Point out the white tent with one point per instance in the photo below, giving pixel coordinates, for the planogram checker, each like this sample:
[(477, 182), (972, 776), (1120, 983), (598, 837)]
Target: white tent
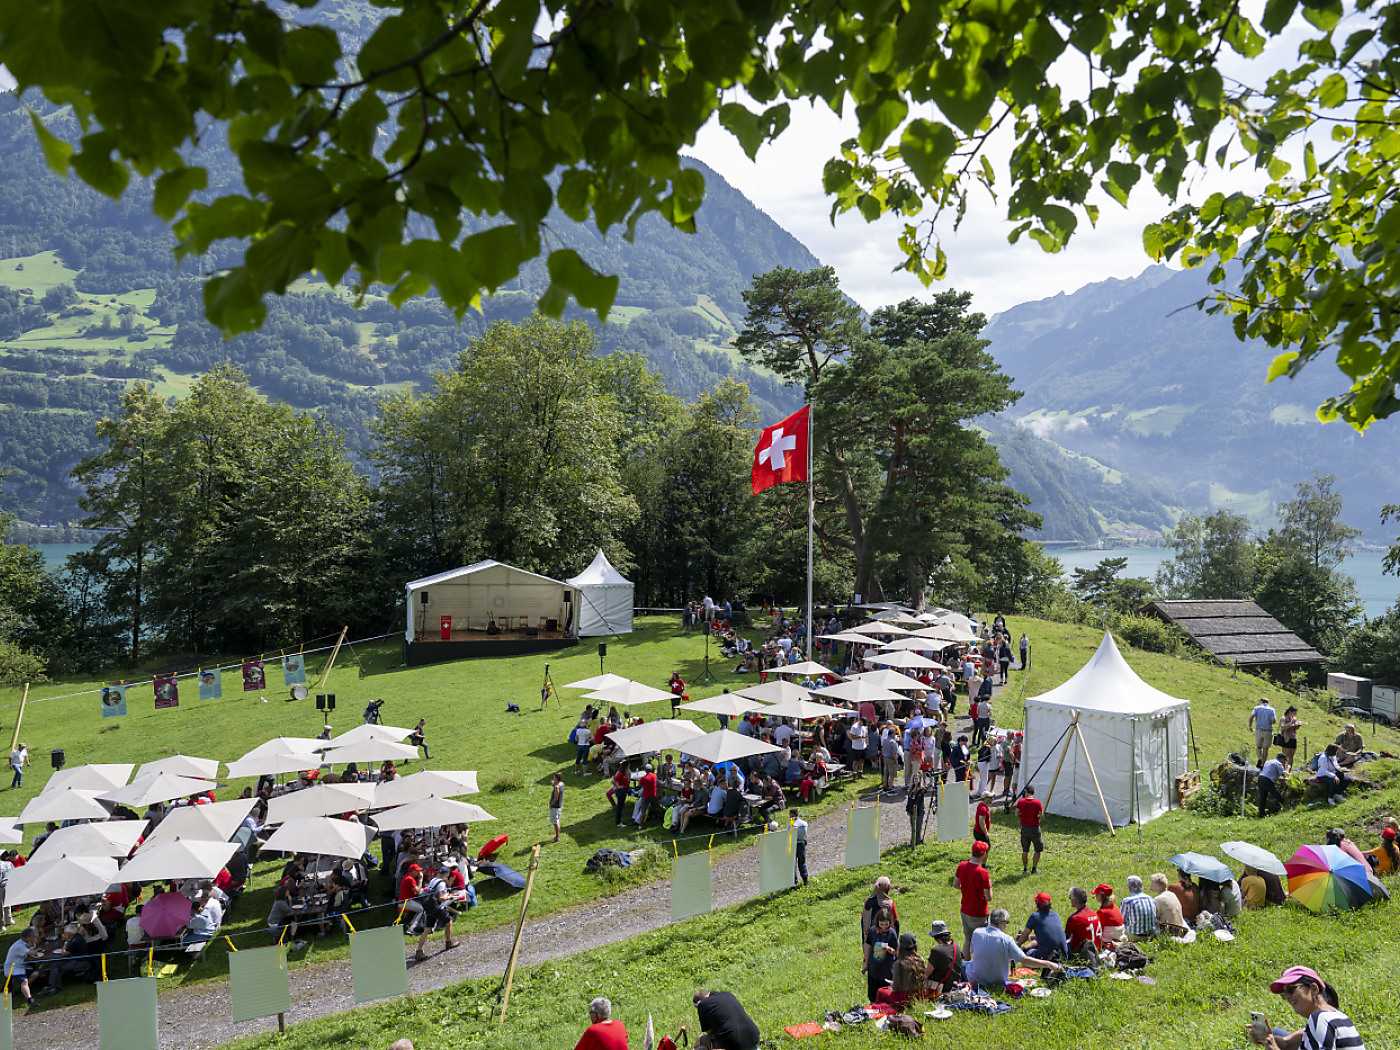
[(604, 599), (1136, 734), (476, 595)]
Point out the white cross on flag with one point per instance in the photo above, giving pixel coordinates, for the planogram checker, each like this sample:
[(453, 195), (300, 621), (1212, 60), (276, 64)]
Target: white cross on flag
[(782, 452)]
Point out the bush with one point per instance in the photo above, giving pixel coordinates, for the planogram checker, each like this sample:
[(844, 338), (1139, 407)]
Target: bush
[(1210, 801), (1150, 634), (507, 781)]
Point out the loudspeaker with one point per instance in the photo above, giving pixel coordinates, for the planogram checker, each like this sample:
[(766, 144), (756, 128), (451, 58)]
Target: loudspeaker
[(602, 649), (423, 597), (57, 758), (330, 701), (320, 701), (568, 597)]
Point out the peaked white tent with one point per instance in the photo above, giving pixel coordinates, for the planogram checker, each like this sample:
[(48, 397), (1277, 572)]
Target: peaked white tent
[(1136, 734), (476, 595), (604, 599)]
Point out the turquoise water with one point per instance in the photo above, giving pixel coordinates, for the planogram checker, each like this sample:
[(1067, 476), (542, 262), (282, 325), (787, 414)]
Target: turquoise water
[(1376, 589), (56, 553)]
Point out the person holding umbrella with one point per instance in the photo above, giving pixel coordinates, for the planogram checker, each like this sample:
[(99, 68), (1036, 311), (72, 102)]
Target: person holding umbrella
[(1313, 999)]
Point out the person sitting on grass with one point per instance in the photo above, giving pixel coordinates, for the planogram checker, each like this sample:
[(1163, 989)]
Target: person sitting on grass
[(1044, 933), (1169, 917), (993, 952), (1385, 858), (910, 975), (1261, 888), (724, 1023), (945, 960), (1139, 912), (602, 1033), (1313, 999), (1189, 894), (1114, 928), (1084, 931)]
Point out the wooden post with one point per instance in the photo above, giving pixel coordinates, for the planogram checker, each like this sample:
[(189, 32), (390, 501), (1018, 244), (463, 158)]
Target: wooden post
[(1107, 819), (331, 662), (519, 930), (1073, 728), (14, 740), (281, 1024)]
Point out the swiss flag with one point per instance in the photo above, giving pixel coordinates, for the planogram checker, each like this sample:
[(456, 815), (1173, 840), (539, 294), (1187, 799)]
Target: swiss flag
[(782, 452)]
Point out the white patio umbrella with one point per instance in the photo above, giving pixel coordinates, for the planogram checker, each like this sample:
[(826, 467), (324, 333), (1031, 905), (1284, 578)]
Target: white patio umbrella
[(63, 876), (876, 627), (806, 710), (957, 620), (11, 830), (859, 692), (806, 667), (629, 695), (656, 736), (732, 704), (104, 838), (599, 681), (370, 751), (179, 859), (775, 692), (95, 777), (325, 835), (320, 800), (915, 643), (430, 813), (896, 616), (849, 638), (946, 634), (430, 783), (155, 787), (284, 745), (366, 732), (887, 679), (182, 766), (64, 804), (275, 764), (904, 660), (215, 822), (725, 746)]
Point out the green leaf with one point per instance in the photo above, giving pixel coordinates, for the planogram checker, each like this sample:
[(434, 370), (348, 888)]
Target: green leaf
[(57, 153), (310, 54), (570, 275), (687, 194), (879, 120), (174, 188), (926, 147), (495, 255), (1281, 366), (1277, 14), (743, 124), (1333, 91), (95, 166)]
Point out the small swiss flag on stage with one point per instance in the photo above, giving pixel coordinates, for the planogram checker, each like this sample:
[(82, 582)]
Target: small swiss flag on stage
[(782, 452)]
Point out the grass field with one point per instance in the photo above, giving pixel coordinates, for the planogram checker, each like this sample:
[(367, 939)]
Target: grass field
[(469, 728)]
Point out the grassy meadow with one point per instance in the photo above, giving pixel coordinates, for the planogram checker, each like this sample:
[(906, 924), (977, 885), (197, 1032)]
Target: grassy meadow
[(769, 963)]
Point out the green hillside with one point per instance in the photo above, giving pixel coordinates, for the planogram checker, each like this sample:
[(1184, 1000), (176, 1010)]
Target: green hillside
[(90, 298)]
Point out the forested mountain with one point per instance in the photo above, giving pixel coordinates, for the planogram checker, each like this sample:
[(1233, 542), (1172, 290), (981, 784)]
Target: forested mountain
[(1129, 373), (90, 297)]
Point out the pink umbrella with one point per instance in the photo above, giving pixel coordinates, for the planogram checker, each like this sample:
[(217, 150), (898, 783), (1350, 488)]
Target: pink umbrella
[(164, 915)]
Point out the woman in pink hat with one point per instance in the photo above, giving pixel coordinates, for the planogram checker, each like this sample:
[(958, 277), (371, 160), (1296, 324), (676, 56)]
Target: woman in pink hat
[(1314, 1000)]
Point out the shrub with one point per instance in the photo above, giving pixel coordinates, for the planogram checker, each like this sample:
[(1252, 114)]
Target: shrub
[(1150, 634), (507, 781)]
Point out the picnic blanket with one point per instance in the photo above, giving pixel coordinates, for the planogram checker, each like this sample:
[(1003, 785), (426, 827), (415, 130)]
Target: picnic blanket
[(990, 1008)]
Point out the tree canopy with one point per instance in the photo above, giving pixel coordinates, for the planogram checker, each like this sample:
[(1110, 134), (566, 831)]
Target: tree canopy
[(360, 150)]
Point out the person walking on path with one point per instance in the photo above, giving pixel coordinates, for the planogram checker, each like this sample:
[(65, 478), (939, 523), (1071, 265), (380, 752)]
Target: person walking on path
[(556, 802), (1262, 720), (799, 840), (1030, 810), (418, 738)]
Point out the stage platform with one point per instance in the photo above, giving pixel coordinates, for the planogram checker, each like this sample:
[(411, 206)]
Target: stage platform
[(466, 645)]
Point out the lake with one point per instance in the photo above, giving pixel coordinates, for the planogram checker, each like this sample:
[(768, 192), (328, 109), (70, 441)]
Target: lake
[(1377, 590)]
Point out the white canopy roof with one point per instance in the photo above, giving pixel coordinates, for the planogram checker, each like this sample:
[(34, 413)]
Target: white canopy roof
[(1107, 685), (604, 599), (599, 573)]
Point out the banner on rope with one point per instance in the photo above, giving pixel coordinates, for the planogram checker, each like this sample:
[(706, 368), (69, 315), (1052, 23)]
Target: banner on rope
[(254, 676), (293, 670), (211, 684), (259, 983), (952, 812), (692, 886), (113, 701), (863, 836), (775, 861), (167, 691), (126, 1015), (378, 965)]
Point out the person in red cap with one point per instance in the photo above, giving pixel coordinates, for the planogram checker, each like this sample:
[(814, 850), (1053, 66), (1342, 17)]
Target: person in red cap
[(1315, 1000), (1044, 935), (976, 886), (1114, 930), (1084, 931), (1385, 858), (982, 824), (1030, 810), (410, 886)]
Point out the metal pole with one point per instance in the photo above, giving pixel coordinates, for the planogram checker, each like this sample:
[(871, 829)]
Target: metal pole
[(811, 517)]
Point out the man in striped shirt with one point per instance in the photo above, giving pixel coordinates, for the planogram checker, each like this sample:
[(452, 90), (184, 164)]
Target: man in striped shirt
[(1139, 912)]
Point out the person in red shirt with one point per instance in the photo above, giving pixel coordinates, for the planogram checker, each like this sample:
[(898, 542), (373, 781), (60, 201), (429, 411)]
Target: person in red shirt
[(982, 825), (410, 886), (602, 1032), (1030, 809), (976, 886), (1109, 916), (1083, 930), (651, 791)]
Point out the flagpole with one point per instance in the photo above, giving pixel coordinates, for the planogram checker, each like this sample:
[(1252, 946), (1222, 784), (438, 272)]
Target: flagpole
[(811, 515)]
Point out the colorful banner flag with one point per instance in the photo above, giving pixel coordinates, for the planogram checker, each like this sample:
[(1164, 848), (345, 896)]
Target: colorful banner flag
[(167, 692), (293, 670), (113, 701), (781, 454), (211, 684), (254, 676)]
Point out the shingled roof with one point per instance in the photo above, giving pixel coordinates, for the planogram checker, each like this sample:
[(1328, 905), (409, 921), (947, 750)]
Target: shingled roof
[(1237, 632)]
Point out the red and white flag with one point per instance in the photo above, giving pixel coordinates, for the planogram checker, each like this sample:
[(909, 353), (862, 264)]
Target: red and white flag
[(782, 452)]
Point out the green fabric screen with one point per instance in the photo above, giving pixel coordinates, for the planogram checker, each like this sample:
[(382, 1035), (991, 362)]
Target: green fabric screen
[(863, 837), (775, 863), (259, 982), (952, 813), (378, 964), (691, 886), (126, 1015)]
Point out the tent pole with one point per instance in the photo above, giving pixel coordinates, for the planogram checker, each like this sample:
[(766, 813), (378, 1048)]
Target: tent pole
[(1108, 819), (1132, 767), (1073, 725), (811, 519), (1191, 729)]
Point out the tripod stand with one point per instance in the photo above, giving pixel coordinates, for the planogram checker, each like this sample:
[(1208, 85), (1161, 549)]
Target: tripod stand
[(705, 675), (547, 690)]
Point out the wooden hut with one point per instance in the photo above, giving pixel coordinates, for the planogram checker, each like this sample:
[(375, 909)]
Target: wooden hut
[(1241, 634)]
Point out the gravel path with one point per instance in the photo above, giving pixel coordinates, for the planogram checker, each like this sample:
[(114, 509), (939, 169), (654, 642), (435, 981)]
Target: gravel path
[(198, 1017)]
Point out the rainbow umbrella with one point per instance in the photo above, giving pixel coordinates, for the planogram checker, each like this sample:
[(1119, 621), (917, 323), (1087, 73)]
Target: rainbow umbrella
[(1327, 877)]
